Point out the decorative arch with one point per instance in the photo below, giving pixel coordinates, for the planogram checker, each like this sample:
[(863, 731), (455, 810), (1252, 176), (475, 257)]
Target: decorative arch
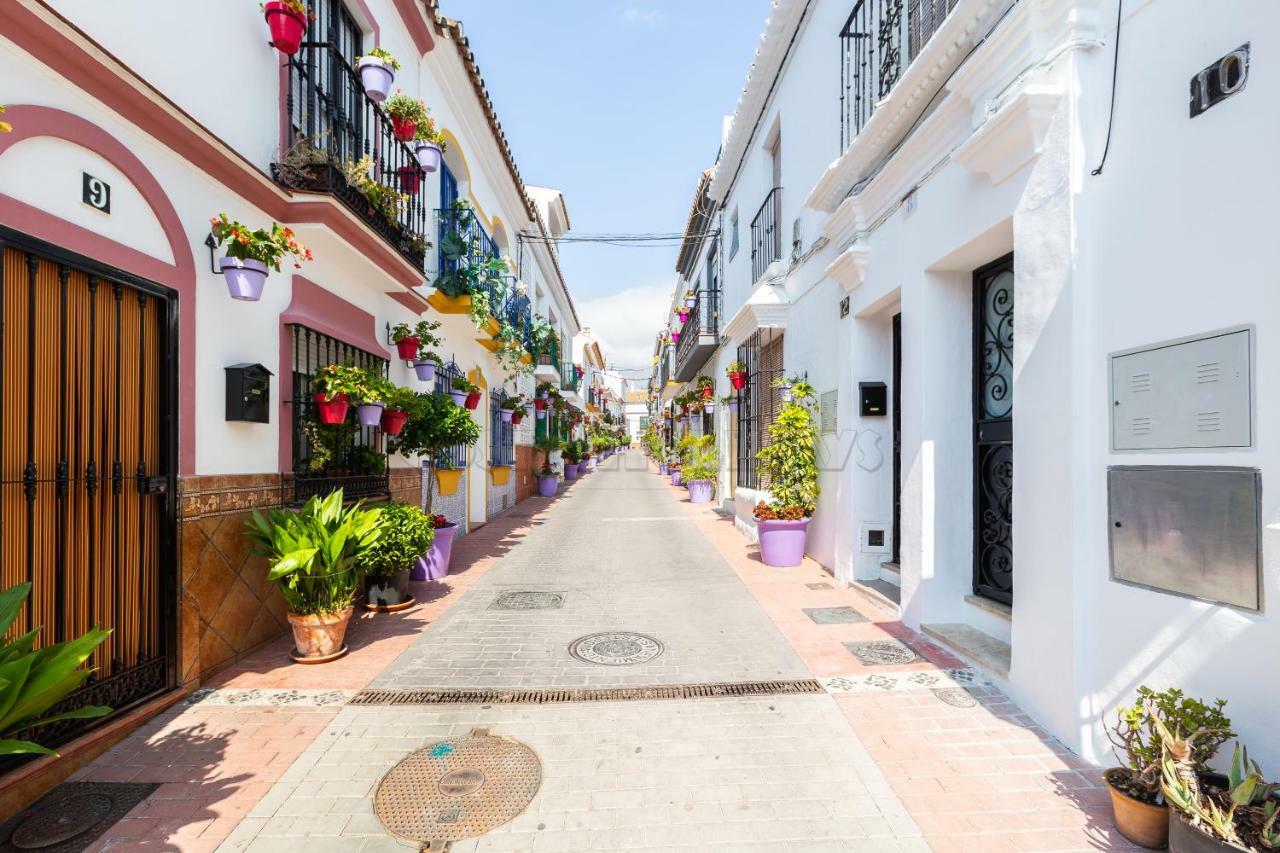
[(500, 236), (457, 163), (33, 122)]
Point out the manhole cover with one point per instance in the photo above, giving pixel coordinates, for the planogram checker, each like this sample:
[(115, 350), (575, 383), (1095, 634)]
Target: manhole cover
[(458, 788), (882, 652), (615, 648), (528, 600), (957, 697), (71, 816), (834, 615), (819, 585), (61, 821)]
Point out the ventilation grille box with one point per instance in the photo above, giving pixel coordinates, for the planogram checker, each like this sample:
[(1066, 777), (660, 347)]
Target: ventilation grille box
[(1184, 395)]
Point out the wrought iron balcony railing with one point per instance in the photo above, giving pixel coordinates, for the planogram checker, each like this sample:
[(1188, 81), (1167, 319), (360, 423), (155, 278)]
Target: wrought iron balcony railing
[(333, 126), (766, 237), (461, 240), (569, 377), (703, 319)]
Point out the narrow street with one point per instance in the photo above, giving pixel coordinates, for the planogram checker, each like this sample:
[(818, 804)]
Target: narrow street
[(913, 756)]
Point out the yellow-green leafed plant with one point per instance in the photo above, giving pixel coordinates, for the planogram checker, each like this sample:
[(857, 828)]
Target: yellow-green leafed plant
[(5, 127), (314, 552), (791, 459), (34, 680)]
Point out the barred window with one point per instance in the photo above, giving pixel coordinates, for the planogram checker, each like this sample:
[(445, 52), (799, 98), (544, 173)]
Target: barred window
[(455, 456), (501, 433), (759, 402)]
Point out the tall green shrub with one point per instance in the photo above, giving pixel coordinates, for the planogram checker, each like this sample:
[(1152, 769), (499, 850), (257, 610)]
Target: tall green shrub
[(406, 535), (791, 461), (435, 424)]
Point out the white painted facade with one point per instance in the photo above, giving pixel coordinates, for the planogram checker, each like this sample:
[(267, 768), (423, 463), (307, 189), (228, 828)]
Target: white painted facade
[(985, 147)]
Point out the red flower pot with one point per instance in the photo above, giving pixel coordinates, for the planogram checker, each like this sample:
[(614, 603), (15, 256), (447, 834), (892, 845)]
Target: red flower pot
[(332, 412), (402, 129), (738, 380), (408, 348), (516, 418), (287, 27), (410, 178), (393, 422), (540, 405), (473, 400), (708, 392)]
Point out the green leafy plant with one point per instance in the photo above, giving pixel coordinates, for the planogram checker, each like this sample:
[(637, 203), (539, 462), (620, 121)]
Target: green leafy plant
[(1136, 738), (548, 444), (705, 382), (385, 199), (384, 55), (735, 367), (33, 681), (423, 330), (436, 425), (463, 384), (314, 552), (371, 387), (401, 399), (404, 108), (269, 247), (790, 460), (701, 458), (572, 451), (407, 534), (513, 403), (1244, 813), (338, 380)]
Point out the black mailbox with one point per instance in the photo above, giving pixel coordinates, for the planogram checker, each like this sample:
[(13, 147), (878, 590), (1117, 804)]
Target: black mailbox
[(873, 399), (249, 393)]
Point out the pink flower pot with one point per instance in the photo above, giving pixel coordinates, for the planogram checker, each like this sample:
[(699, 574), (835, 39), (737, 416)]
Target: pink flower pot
[(547, 486), (782, 542), (700, 492), (434, 564)]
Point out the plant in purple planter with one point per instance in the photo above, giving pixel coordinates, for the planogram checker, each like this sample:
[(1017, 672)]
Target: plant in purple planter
[(377, 72), (250, 252), (790, 462), (434, 564), (547, 483)]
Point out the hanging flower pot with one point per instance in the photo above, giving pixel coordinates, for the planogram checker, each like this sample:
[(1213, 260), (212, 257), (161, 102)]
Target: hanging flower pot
[(542, 414), (369, 414), (787, 395), (733, 404), (410, 179), (738, 379), (472, 400), (245, 278), (426, 369), (428, 154), (675, 337), (709, 408), (287, 26), (506, 415), (403, 129), (332, 412), (459, 397), (517, 417), (684, 316), (407, 348), (708, 392), (540, 404), (393, 421), (376, 76)]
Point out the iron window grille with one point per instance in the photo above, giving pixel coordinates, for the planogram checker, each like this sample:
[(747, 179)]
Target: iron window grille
[(456, 456), (333, 124), (464, 222), (766, 239), (733, 235), (347, 455), (758, 402), (501, 433)]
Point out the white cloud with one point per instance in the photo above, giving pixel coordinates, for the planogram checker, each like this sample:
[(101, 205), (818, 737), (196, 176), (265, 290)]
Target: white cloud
[(641, 17), (626, 322)]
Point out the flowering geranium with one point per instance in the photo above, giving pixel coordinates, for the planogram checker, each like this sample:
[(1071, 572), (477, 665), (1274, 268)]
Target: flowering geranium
[(258, 244), (438, 521)]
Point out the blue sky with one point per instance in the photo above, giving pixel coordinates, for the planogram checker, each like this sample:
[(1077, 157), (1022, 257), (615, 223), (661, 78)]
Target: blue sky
[(619, 105)]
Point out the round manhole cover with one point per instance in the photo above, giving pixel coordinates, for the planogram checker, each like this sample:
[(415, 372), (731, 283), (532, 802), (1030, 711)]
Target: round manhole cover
[(615, 648), (885, 652), (458, 788), (957, 697), (61, 821)]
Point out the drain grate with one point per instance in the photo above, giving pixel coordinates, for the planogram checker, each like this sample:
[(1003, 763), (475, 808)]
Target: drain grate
[(520, 696), (528, 600), (72, 816)]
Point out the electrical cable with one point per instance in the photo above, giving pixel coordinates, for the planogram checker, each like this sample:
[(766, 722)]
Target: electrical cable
[(1115, 70)]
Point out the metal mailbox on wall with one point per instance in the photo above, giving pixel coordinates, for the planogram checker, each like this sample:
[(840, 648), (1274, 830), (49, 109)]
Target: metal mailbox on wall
[(1187, 394)]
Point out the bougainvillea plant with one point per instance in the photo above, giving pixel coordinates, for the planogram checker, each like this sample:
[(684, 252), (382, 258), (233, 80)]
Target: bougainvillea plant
[(258, 244)]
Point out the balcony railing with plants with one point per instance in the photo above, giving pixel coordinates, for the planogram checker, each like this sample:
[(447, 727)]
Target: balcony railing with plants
[(766, 237), (873, 57), (569, 378), (342, 142), (703, 318)]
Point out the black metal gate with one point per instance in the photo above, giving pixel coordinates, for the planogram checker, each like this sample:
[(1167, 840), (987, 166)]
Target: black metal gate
[(993, 431), (758, 402), (88, 467), (897, 439)]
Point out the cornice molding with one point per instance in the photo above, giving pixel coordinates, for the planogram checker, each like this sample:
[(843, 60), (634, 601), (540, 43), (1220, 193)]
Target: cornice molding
[(766, 308), (850, 267), (1013, 136)]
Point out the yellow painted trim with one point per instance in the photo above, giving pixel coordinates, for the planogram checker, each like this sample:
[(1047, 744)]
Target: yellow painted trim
[(455, 146), (489, 343), (447, 481), (450, 304), (501, 474)]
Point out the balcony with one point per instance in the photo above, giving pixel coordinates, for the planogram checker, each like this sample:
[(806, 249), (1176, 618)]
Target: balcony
[(569, 381), (766, 237), (872, 54), (546, 366), (699, 336), (332, 128)]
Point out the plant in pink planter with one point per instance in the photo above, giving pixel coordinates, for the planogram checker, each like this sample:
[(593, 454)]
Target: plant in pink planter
[(791, 464), (250, 252)]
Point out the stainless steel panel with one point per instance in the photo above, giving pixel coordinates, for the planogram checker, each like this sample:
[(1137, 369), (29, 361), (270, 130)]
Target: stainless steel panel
[(1192, 531)]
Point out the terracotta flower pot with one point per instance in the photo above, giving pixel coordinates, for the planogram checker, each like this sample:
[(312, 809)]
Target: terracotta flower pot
[(1142, 823), (318, 636)]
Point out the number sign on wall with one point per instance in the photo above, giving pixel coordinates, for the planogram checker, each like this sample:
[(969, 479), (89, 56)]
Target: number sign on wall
[(97, 193), (1220, 80)]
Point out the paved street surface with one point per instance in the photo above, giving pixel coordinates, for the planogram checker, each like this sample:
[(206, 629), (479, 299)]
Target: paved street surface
[(916, 753)]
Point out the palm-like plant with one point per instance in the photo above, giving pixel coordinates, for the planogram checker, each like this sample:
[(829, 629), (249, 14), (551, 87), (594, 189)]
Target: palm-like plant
[(34, 680), (548, 444)]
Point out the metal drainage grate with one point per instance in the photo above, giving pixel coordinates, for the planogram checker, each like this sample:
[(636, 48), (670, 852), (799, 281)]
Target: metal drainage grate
[(519, 696), (458, 788), (957, 697), (528, 600)]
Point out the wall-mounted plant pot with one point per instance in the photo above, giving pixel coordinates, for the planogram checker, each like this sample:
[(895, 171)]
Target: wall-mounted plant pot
[(675, 337), (318, 637), (700, 491), (709, 408), (426, 370), (684, 316), (447, 479), (501, 474), (376, 76), (459, 397), (287, 27), (473, 400), (332, 412), (402, 129), (245, 278), (434, 564), (506, 415), (675, 477), (540, 404), (393, 422), (547, 485), (541, 414), (516, 418), (782, 541), (407, 348), (690, 301), (1145, 824), (369, 414), (663, 469), (738, 380), (708, 392), (428, 154)]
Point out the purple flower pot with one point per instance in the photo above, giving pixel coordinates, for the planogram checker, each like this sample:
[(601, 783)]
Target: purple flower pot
[(376, 77), (426, 370), (434, 564), (547, 486), (459, 397), (245, 278), (782, 542), (663, 469), (505, 414), (675, 477), (370, 414), (733, 404), (428, 155), (571, 471), (700, 492), (541, 413)]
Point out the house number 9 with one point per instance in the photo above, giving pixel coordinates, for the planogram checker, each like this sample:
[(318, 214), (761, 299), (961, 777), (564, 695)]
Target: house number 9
[(96, 193)]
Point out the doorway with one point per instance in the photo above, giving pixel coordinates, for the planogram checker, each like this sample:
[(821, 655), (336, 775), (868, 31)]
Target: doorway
[(896, 405), (993, 431)]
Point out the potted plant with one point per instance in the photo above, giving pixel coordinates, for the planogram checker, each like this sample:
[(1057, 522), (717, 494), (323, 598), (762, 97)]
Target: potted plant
[(406, 114), (250, 251), (377, 72), (701, 468), (410, 340), (287, 20), (683, 314), (548, 444), (787, 385), (435, 425), (333, 387), (675, 336), (425, 366), (690, 298), (314, 558), (673, 468), (730, 400), (737, 375), (383, 200), (459, 390), (790, 463), (707, 387), (429, 144), (386, 564), (436, 563), (572, 455), (370, 398), (400, 404), (507, 408), (1141, 814)]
